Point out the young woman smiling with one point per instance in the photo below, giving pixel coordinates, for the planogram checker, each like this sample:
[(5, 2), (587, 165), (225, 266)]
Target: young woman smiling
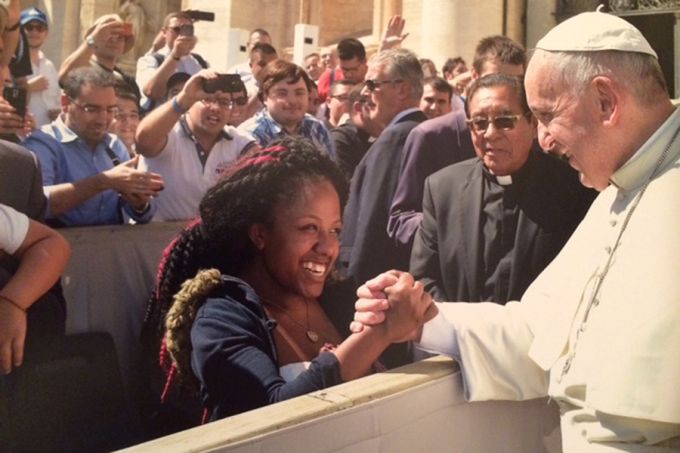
[(251, 330)]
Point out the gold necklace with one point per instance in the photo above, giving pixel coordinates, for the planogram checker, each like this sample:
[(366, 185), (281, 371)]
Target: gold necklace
[(311, 335)]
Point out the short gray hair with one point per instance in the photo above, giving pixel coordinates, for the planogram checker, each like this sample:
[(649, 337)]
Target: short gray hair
[(640, 72), (401, 64), (86, 75)]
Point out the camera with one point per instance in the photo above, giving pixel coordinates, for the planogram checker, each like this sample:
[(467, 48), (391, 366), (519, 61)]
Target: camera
[(17, 97), (186, 30), (200, 15), (227, 83)]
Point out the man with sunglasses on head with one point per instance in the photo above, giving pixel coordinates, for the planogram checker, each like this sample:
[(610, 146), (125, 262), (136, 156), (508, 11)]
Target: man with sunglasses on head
[(154, 70), (491, 224), (88, 176), (189, 142)]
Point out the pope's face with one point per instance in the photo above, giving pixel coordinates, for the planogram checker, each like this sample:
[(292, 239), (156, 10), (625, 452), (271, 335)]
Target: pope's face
[(568, 124)]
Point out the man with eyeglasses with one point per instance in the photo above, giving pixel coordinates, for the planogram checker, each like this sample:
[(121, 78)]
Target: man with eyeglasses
[(493, 223), (154, 70), (88, 176), (43, 85), (338, 103), (445, 140), (189, 142)]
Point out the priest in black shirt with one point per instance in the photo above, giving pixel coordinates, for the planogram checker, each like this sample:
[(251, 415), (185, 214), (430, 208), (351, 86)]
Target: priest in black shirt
[(493, 223)]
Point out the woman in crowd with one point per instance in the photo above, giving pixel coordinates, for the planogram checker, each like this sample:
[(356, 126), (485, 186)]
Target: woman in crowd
[(254, 329)]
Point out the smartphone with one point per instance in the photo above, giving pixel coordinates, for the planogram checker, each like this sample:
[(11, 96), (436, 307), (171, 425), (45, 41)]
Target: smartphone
[(186, 30), (200, 15), (127, 29), (227, 83), (17, 98)]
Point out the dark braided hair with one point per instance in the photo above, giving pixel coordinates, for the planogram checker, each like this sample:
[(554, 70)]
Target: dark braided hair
[(246, 194)]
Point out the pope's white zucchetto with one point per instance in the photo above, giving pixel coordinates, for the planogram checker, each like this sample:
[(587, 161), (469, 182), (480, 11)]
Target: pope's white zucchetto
[(595, 31)]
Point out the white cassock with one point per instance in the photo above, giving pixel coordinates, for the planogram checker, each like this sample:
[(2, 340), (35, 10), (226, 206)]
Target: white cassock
[(599, 329)]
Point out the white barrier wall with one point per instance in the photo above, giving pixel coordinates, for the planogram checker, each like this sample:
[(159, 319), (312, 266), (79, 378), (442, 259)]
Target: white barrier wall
[(416, 408)]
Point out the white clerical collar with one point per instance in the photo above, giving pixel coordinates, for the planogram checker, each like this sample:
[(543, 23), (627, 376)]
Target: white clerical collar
[(639, 167), (504, 180)]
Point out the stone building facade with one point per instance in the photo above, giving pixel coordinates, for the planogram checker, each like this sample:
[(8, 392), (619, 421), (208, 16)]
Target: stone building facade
[(437, 29)]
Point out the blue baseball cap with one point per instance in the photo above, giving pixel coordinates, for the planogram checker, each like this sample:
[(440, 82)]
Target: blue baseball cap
[(31, 14)]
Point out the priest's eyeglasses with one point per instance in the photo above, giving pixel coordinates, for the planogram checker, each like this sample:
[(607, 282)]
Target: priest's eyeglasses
[(479, 124)]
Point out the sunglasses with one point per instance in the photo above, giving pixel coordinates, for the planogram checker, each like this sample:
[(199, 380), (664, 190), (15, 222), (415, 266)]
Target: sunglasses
[(188, 29), (373, 85), (35, 27), (480, 124)]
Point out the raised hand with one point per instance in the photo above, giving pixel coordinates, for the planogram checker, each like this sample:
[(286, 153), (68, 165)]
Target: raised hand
[(183, 46), (107, 30), (394, 33)]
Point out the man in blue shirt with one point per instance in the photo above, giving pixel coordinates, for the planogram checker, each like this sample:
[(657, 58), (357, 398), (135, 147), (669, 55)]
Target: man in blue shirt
[(88, 176), (285, 94)]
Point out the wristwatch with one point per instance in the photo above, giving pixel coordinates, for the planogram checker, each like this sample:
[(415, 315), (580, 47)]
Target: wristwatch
[(90, 41)]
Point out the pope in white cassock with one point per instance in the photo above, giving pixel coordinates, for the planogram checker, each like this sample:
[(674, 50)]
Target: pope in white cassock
[(599, 330)]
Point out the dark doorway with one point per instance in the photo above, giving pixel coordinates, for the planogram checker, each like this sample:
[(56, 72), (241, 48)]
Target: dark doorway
[(658, 29)]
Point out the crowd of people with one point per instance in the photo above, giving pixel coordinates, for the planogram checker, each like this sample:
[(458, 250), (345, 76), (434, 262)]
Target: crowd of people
[(530, 192)]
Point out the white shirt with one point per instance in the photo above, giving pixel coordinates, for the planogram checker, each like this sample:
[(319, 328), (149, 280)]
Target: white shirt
[(186, 180), (147, 66), (41, 102), (13, 229), (620, 390), (243, 69)]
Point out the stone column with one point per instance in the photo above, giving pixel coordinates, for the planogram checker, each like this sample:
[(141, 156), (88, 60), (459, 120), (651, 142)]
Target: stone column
[(676, 55), (65, 31), (515, 17), (540, 19), (451, 28)]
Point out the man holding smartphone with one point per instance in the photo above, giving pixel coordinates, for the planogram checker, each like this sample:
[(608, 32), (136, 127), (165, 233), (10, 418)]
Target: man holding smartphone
[(187, 140), (105, 43), (154, 70), (88, 176)]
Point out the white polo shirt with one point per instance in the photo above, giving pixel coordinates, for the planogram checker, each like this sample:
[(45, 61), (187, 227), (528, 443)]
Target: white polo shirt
[(186, 178)]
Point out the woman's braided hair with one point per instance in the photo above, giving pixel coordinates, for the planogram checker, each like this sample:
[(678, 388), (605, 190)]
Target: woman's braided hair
[(246, 194)]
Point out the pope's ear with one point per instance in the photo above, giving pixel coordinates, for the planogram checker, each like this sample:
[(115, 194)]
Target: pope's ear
[(608, 99)]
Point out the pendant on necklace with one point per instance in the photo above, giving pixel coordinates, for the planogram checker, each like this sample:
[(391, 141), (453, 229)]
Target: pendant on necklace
[(313, 336)]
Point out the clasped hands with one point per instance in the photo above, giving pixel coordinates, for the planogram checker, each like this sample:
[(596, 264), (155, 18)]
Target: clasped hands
[(396, 301)]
